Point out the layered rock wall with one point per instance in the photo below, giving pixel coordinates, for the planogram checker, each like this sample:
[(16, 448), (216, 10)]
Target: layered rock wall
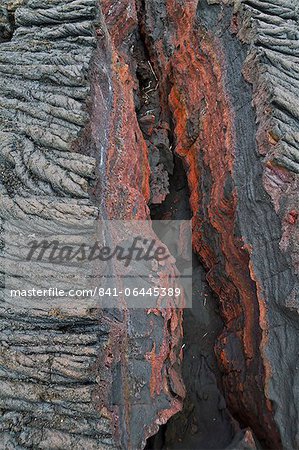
[(230, 77), (71, 149)]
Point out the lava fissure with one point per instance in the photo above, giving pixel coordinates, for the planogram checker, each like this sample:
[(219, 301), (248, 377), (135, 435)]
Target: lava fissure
[(208, 424), (205, 421), (129, 110), (200, 129)]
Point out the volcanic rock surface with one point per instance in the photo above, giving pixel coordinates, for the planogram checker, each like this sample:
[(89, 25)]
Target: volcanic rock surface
[(96, 99), (71, 149)]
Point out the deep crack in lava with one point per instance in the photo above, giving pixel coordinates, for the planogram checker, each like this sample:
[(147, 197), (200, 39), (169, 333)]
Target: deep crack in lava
[(181, 125), (204, 422)]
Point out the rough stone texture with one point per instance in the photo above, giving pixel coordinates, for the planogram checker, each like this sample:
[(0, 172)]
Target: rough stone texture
[(93, 100), (239, 145), (71, 149), (205, 421)]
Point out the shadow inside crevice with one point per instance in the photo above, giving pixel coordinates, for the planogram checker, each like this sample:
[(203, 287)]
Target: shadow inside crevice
[(204, 422)]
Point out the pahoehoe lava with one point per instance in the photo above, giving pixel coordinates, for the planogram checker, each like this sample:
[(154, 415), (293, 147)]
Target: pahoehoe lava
[(144, 110)]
